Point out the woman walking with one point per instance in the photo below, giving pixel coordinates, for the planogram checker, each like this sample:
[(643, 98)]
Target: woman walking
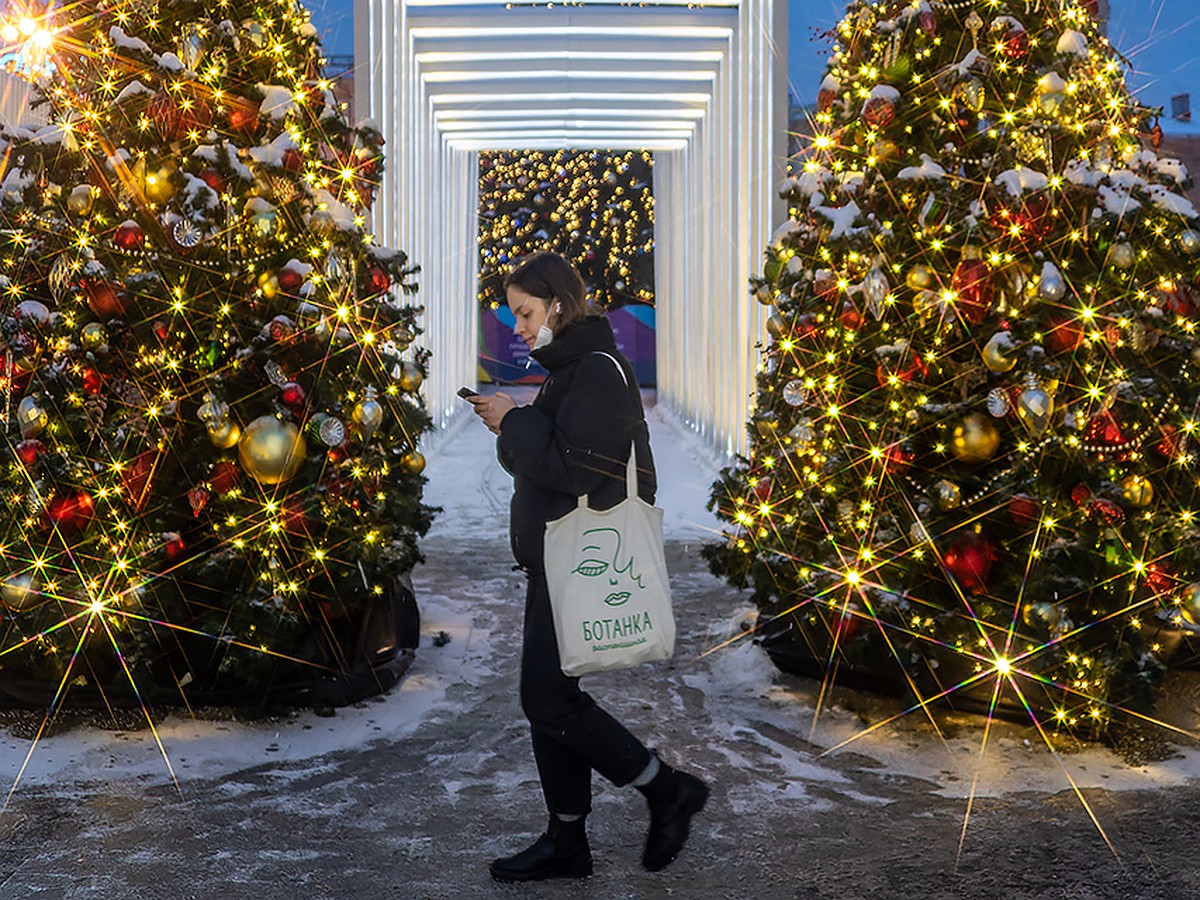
[(574, 439)]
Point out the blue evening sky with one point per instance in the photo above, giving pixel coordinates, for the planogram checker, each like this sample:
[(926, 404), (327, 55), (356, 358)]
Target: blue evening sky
[(1160, 37)]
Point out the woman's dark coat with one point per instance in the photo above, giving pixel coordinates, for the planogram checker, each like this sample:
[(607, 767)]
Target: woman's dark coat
[(574, 438)]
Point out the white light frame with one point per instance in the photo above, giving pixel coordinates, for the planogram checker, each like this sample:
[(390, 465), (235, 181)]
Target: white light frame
[(704, 87)]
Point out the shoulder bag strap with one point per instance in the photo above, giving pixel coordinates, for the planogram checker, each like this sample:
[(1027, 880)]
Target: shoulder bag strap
[(631, 484)]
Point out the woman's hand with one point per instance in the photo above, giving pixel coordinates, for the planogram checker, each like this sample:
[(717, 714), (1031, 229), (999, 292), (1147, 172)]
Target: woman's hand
[(492, 409)]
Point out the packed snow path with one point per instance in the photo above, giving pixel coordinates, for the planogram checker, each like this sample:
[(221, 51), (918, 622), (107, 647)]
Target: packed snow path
[(413, 793)]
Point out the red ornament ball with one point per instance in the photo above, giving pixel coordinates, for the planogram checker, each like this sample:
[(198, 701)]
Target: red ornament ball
[(289, 279), (176, 116), (224, 477), (825, 99), (1016, 43), (879, 112), (1103, 431), (1064, 334), (380, 280), (71, 512), (281, 328), (898, 459), (30, 451), (851, 318), (1080, 494), (136, 477), (972, 283), (969, 561), (762, 488), (1168, 445), (1159, 578), (293, 160), (1182, 301), (242, 115), (173, 546), (129, 236), (1105, 511), (295, 518), (104, 298), (214, 180), (1023, 509), (293, 396), (93, 381)]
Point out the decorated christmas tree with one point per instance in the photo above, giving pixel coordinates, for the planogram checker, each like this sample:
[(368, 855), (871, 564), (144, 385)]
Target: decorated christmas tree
[(210, 389), (971, 471), (593, 207)]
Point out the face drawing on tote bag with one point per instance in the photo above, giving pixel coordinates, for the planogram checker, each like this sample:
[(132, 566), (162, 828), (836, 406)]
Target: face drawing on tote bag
[(601, 558)]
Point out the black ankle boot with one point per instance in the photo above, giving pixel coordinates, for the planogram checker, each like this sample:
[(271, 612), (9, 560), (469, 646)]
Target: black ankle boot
[(562, 852), (674, 797)]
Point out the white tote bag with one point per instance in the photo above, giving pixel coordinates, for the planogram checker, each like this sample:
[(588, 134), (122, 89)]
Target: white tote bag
[(607, 574)]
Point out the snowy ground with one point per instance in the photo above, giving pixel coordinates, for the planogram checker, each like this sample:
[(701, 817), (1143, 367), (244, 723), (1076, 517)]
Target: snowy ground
[(412, 793)]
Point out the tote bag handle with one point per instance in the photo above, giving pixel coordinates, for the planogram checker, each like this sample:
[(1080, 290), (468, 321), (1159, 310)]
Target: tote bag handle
[(631, 485)]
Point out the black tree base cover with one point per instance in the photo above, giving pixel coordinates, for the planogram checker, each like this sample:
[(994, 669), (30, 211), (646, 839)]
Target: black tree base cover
[(809, 642), (345, 661)]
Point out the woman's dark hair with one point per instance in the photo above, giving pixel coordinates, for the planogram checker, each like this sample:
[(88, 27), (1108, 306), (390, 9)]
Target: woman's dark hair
[(551, 278)]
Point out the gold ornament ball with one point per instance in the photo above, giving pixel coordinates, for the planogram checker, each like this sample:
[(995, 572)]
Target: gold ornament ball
[(268, 285), (271, 451), (224, 434), (413, 462), (21, 591), (766, 426), (159, 186), (885, 149), (1122, 255), (947, 495), (975, 439), (93, 336), (1190, 602), (919, 278), (997, 353), (411, 378), (80, 200), (926, 304), (1138, 490)]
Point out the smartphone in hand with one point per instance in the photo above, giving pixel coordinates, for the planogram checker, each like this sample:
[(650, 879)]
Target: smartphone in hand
[(466, 393)]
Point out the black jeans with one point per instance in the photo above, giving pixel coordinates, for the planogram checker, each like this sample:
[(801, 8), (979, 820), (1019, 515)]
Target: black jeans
[(571, 734)]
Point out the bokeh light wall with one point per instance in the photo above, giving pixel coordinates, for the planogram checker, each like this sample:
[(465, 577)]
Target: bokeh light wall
[(702, 87)]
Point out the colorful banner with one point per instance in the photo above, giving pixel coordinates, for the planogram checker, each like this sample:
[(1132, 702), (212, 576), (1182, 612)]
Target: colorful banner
[(504, 357)]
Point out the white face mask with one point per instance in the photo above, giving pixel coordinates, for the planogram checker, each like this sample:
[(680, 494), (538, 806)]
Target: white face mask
[(545, 335)]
